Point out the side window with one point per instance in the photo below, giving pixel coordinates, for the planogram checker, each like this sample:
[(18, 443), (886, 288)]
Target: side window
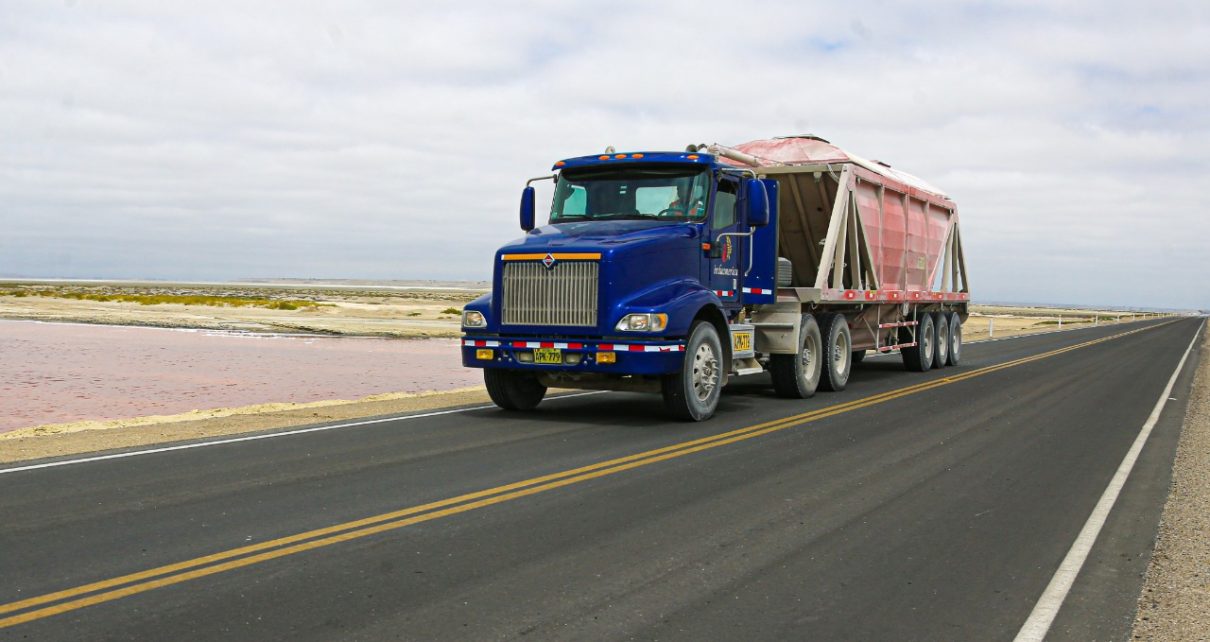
[(724, 204)]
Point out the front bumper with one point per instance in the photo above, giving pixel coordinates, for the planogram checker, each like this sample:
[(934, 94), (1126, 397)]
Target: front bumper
[(648, 357)]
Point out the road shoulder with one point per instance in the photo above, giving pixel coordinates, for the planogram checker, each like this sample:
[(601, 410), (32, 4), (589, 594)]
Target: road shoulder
[(1175, 599)]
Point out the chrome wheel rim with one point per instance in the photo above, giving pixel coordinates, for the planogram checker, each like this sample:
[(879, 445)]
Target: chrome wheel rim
[(841, 353), (807, 357), (705, 372)]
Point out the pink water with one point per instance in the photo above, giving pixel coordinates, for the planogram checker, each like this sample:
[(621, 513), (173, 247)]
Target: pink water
[(59, 372)]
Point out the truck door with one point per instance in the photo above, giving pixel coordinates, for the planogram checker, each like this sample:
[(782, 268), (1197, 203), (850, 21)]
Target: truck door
[(728, 255)]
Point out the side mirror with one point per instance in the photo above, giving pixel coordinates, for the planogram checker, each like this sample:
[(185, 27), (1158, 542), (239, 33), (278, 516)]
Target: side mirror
[(758, 203), (527, 208)]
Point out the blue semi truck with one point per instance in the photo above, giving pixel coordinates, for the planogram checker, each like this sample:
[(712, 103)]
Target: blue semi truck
[(671, 272)]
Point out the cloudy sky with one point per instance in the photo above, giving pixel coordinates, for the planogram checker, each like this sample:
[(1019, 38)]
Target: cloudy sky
[(230, 140)]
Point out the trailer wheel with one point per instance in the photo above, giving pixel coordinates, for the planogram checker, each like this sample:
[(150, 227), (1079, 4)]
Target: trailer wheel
[(955, 351), (692, 394), (837, 352), (858, 356), (919, 357), (513, 390), (941, 347), (796, 376)]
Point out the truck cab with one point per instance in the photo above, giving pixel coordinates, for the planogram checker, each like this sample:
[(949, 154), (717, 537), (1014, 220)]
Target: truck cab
[(638, 281)]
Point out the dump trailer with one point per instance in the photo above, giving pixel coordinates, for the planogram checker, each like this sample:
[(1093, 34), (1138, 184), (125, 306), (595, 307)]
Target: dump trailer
[(672, 272)]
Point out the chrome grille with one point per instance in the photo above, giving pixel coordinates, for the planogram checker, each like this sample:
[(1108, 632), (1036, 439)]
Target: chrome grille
[(565, 294)]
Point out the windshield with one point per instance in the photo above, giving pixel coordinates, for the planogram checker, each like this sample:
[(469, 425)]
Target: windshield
[(657, 193)]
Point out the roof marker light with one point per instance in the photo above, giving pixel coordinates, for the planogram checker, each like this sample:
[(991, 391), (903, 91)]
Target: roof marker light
[(560, 163), (636, 155), (603, 157), (692, 157), (620, 156)]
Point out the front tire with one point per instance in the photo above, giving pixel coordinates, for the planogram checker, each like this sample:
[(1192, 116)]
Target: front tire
[(919, 357), (796, 376), (837, 353), (513, 390), (693, 393)]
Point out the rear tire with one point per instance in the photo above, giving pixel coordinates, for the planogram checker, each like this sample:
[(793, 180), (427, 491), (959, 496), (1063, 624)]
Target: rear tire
[(858, 356), (919, 357), (796, 376), (941, 346), (512, 389), (837, 352), (955, 351), (692, 394)]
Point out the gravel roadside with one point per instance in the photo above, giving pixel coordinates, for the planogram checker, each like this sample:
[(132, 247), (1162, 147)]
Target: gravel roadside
[(1175, 601)]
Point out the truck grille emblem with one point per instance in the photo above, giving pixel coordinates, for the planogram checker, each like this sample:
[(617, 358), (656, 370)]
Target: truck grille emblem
[(549, 261)]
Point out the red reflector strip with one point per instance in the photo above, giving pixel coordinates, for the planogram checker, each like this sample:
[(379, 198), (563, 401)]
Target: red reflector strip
[(758, 290), (725, 293), (477, 343)]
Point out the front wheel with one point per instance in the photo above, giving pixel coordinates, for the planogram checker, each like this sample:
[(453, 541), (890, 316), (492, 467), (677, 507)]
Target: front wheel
[(692, 394), (513, 390)]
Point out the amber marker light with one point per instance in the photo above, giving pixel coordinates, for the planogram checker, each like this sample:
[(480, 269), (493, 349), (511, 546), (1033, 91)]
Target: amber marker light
[(603, 157), (607, 357), (636, 155), (692, 157), (485, 354), (560, 164), (620, 156)]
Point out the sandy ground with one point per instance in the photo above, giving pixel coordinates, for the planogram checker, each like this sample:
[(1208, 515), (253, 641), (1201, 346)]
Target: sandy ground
[(1175, 602), (368, 312)]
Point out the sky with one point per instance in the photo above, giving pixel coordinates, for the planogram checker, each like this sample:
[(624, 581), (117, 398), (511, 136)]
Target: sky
[(390, 140)]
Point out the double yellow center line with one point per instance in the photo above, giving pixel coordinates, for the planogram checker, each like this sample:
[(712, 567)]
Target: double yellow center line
[(59, 602)]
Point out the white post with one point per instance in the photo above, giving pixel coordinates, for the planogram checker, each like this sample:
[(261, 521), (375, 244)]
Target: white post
[(991, 327), (1060, 322)]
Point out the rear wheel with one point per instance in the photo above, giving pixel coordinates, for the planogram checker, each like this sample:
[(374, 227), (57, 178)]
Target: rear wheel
[(858, 356), (796, 376), (941, 348), (955, 351), (919, 357), (837, 352), (692, 394), (513, 390)]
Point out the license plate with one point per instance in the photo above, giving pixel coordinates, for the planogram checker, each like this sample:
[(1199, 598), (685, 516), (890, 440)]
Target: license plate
[(548, 355), (743, 341)]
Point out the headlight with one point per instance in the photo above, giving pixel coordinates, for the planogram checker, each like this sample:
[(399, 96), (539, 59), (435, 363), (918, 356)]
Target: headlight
[(650, 322), (473, 319)]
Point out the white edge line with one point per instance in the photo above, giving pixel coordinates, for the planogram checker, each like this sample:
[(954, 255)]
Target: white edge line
[(1048, 605), (272, 435)]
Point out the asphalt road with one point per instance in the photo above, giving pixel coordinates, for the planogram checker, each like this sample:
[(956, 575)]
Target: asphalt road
[(927, 506)]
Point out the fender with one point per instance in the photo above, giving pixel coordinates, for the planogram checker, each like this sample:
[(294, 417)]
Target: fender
[(681, 299)]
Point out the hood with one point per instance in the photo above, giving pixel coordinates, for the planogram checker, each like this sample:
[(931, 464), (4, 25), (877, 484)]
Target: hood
[(603, 235)]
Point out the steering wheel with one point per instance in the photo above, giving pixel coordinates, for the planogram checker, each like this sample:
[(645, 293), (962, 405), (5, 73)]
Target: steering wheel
[(671, 211)]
